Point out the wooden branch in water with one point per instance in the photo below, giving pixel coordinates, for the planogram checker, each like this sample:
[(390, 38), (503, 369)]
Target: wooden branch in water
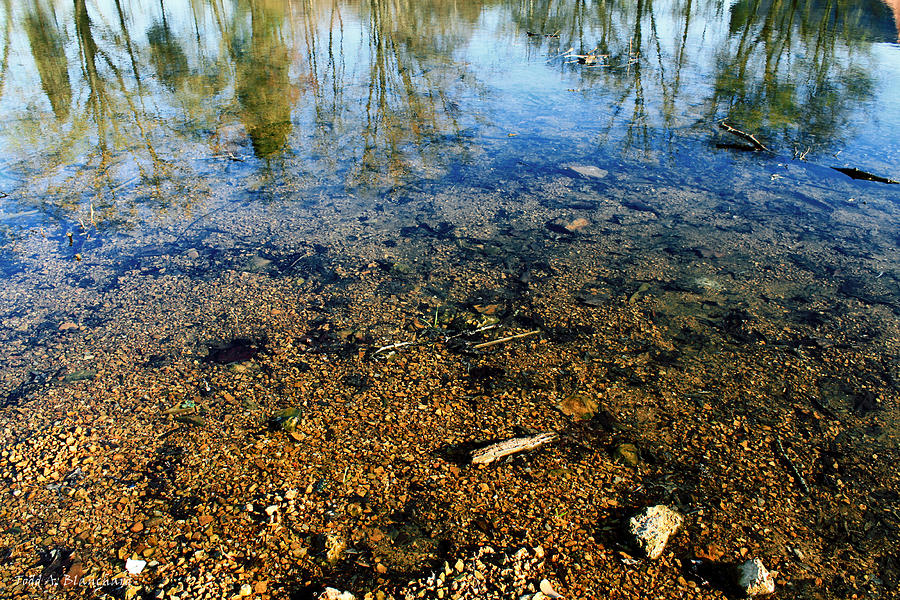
[(489, 454), (794, 470), (391, 347), (745, 136), (505, 339), (857, 174)]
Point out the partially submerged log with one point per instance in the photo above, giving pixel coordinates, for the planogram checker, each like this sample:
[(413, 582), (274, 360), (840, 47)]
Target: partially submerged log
[(489, 454)]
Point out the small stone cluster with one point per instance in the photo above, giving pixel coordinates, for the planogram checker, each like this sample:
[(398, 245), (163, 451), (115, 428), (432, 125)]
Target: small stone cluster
[(486, 575)]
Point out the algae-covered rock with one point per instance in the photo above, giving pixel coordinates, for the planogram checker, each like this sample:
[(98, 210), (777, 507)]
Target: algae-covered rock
[(285, 420), (578, 405)]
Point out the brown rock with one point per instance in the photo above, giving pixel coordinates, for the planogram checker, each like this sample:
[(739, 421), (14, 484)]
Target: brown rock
[(578, 405), (627, 454), (577, 224)]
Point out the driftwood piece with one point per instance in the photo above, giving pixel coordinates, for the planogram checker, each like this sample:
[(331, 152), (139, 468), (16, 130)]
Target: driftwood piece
[(489, 454), (745, 136)]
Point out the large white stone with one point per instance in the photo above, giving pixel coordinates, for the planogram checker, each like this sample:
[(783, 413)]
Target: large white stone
[(652, 527), (755, 580), (135, 566), (331, 593)]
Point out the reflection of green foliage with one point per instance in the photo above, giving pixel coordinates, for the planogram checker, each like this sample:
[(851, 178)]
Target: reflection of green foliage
[(168, 58), (409, 105), (262, 80), (791, 70), (49, 54)]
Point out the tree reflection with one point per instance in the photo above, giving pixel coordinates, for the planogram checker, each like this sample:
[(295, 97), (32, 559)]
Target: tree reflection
[(790, 69), (410, 114), (378, 92), (894, 5), (48, 49), (169, 59), (793, 71), (262, 66)]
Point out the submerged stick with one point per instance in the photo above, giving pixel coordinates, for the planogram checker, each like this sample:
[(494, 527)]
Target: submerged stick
[(489, 454), (745, 136), (392, 347), (794, 470), (505, 339)]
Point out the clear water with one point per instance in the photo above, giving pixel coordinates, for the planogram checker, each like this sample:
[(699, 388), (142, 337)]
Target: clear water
[(310, 176), (133, 133), (121, 105)]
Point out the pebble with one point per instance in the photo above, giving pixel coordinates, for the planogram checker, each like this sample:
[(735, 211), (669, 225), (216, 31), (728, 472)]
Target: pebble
[(578, 405), (331, 593), (335, 546), (627, 454), (135, 566)]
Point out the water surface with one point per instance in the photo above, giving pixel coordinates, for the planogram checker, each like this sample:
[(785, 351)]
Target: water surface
[(647, 191)]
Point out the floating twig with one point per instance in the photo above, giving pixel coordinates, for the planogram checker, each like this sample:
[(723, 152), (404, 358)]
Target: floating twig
[(229, 156), (746, 136), (794, 470), (489, 454), (505, 339), (567, 54), (801, 154)]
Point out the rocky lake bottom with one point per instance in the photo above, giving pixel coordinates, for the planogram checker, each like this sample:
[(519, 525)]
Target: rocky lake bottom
[(271, 400)]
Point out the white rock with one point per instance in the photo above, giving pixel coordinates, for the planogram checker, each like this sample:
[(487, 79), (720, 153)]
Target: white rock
[(134, 566), (589, 171), (652, 527), (246, 590), (755, 580), (548, 591), (271, 510), (335, 594)]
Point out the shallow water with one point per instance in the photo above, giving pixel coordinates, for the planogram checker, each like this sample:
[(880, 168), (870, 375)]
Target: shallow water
[(132, 132), (187, 185), (123, 107)]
